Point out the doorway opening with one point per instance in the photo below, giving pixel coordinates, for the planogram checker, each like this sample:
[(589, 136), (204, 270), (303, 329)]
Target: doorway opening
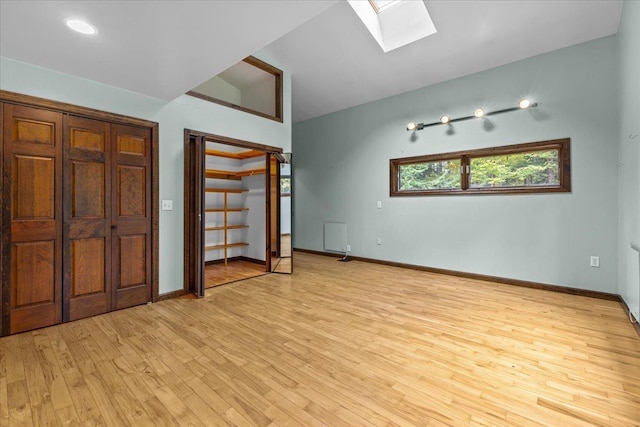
[(232, 211)]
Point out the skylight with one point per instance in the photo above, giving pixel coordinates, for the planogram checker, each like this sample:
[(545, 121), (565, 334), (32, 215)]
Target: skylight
[(403, 21), (380, 5)]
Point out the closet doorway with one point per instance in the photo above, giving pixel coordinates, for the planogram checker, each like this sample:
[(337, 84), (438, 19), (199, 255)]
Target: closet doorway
[(232, 211)]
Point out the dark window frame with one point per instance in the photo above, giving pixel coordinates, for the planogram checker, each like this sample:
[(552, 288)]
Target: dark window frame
[(563, 146), (276, 72)]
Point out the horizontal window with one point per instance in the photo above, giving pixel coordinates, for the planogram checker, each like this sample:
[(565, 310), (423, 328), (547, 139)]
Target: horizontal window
[(536, 167)]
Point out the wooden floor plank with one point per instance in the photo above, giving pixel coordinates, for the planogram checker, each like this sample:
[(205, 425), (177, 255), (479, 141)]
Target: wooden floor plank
[(20, 412), (334, 344), (4, 403), (221, 274)]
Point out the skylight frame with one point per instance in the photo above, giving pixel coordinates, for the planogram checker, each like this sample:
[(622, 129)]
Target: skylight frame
[(382, 8), (406, 22)]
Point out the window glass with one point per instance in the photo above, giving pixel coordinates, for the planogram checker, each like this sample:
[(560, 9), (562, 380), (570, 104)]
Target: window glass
[(444, 174), (285, 185), (539, 168)]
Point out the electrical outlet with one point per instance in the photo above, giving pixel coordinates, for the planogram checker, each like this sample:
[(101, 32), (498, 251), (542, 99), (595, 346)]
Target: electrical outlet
[(348, 248), (167, 205), (595, 261), (379, 204), (379, 240)]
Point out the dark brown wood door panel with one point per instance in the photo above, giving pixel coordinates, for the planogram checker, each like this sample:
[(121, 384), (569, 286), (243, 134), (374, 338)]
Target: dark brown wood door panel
[(33, 180), (131, 191), (131, 216), (132, 248), (32, 211), (87, 218), (88, 192), (32, 263)]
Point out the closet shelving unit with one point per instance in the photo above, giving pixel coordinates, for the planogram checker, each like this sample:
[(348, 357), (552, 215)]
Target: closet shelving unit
[(226, 209)]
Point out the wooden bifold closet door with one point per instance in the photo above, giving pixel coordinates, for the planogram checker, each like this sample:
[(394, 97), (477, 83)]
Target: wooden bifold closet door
[(76, 217), (87, 218), (131, 211), (32, 218), (107, 233)]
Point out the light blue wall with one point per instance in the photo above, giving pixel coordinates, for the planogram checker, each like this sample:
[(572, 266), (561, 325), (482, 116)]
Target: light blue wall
[(173, 117), (341, 165), (629, 155)]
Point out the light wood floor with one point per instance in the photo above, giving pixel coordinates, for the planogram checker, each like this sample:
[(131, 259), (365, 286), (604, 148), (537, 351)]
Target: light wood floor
[(220, 274), (335, 344)]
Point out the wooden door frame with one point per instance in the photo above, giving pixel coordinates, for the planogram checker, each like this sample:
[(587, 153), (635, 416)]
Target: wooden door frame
[(4, 227), (90, 113), (191, 220), (193, 211)]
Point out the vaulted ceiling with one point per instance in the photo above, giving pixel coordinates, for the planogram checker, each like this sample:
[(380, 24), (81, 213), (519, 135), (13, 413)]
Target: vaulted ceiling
[(337, 64), (165, 48), (157, 48)]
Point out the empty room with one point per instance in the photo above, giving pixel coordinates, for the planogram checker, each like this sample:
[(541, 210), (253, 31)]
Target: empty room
[(320, 213)]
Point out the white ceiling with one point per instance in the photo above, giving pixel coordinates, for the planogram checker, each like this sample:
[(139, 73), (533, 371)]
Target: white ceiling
[(336, 63), (165, 48), (157, 48)]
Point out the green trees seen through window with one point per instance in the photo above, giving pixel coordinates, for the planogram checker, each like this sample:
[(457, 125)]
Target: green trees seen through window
[(429, 176), (521, 169), (285, 185)]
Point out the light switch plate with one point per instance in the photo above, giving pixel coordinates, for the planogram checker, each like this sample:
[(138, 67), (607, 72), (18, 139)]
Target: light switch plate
[(167, 205)]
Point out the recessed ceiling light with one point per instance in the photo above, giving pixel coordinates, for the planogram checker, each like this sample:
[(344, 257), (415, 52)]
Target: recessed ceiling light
[(81, 26), (479, 112)]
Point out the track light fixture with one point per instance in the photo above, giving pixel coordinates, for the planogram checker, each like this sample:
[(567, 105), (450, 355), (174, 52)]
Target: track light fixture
[(478, 113)]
